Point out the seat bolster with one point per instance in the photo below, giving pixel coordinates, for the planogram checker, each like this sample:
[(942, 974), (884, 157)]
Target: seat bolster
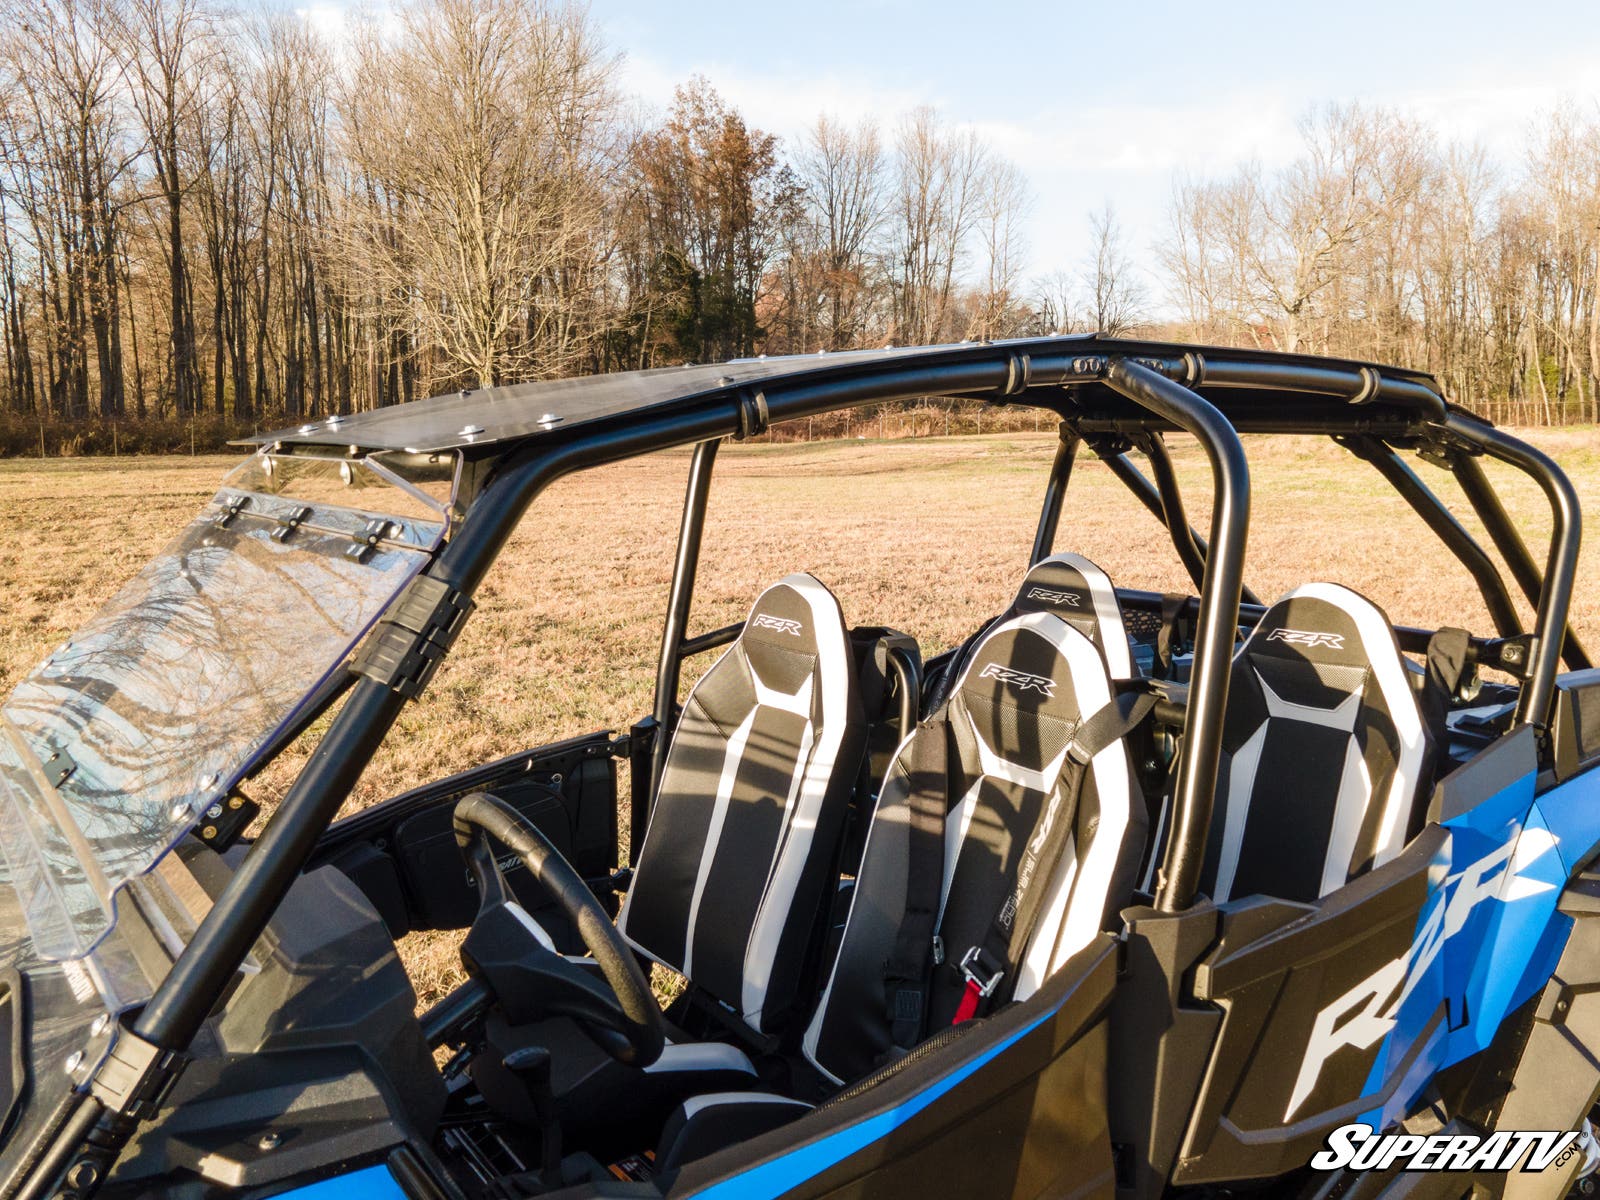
[(702, 1125), (701, 1057)]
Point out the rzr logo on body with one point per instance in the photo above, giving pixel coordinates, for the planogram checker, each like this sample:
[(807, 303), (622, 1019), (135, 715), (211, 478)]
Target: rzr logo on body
[(777, 624), (1358, 1148), (1365, 1014), (1051, 596), (1307, 637), (1021, 680)]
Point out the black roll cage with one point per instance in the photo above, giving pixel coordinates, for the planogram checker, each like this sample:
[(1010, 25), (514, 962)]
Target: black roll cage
[(1112, 397)]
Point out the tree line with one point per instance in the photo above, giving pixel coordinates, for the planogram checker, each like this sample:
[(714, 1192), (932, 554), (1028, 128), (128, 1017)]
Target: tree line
[(217, 215)]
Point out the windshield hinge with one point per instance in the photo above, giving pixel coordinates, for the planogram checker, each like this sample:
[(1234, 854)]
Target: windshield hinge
[(224, 822), (136, 1076), (414, 636), (58, 767)]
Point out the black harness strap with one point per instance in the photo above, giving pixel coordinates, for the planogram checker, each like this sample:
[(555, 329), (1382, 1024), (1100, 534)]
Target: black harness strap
[(925, 761), (1447, 664), (1172, 606)]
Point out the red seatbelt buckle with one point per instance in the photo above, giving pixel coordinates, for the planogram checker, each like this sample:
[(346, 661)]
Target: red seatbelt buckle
[(981, 983)]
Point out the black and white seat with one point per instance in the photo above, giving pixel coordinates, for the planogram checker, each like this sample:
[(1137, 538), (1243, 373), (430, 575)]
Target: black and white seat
[(1070, 587), (743, 837), (993, 760), (1326, 754)]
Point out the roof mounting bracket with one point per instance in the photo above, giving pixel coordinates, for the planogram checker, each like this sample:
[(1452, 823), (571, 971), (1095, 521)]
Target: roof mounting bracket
[(1019, 374), (752, 414), (1370, 382)]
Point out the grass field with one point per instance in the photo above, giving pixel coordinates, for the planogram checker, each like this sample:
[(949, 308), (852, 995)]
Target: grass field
[(928, 535)]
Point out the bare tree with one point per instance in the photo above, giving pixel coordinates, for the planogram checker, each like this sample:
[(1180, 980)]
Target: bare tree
[(938, 174), (1116, 297), (843, 173), (475, 134)]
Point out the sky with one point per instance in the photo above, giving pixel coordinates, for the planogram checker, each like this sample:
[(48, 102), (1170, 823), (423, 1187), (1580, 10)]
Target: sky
[(1105, 103)]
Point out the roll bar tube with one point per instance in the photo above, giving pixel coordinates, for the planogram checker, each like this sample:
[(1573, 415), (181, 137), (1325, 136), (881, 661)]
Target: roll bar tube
[(1044, 539), (1217, 628), (680, 597), (1551, 632), (1150, 496), (1445, 527)]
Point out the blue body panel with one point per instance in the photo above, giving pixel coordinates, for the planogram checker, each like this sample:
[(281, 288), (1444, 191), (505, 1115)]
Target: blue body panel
[(1489, 935), (373, 1183)]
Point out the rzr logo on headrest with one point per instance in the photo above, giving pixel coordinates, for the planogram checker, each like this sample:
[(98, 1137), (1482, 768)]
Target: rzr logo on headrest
[(777, 624), (1021, 680), (1051, 596), (1307, 637)]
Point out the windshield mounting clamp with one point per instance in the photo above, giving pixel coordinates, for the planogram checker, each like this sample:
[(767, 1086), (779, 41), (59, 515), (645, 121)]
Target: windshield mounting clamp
[(289, 522), (368, 539), (229, 510), (136, 1076), (414, 636)]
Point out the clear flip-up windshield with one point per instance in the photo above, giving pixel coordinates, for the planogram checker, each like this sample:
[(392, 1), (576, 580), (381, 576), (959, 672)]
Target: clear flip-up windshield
[(120, 741)]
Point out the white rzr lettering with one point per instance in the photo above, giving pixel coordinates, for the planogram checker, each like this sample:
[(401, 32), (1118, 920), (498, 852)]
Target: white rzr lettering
[(778, 624), (1307, 637), (1051, 596), (1365, 1014), (1020, 680), (1359, 1148)]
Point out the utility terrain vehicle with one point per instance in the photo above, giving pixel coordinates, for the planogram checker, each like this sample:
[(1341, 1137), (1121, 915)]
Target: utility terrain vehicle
[(1129, 895)]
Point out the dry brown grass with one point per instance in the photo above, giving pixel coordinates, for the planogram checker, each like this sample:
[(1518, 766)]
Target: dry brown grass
[(929, 535)]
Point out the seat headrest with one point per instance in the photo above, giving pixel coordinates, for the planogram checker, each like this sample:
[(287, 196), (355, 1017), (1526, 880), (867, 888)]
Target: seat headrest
[(786, 613), (1324, 623), (1026, 687), (1081, 594)]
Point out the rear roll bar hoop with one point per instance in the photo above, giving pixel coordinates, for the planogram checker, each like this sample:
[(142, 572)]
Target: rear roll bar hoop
[(1220, 593)]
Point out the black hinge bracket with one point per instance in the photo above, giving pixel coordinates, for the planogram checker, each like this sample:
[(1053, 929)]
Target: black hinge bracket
[(224, 822), (414, 636), (136, 1076), (1513, 655)]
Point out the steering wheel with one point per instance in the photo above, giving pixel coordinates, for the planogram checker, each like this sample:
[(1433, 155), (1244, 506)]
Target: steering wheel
[(516, 960)]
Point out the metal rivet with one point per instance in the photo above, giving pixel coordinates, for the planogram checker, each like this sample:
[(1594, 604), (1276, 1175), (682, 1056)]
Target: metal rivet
[(210, 781), (308, 429), (180, 812), (100, 1024), (270, 1141), (555, 780), (74, 1061), (235, 802), (335, 421), (209, 833), (469, 430), (214, 811)]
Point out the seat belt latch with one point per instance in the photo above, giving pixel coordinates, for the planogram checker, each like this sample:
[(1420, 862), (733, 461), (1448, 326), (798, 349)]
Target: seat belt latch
[(981, 983)]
